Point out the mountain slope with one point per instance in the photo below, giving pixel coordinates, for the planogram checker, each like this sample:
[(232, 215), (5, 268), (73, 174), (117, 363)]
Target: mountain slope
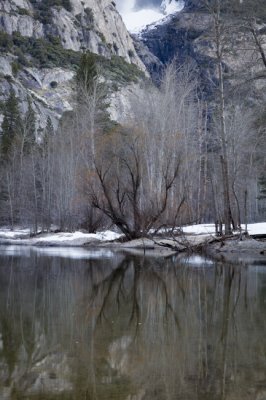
[(79, 25), (188, 35), (41, 43)]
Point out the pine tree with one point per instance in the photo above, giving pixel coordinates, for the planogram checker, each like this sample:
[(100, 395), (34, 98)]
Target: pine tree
[(49, 129), (92, 92), (47, 134), (12, 123), (29, 127), (87, 72)]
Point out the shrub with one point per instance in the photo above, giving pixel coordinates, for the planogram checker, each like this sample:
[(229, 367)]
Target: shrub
[(23, 11), (43, 8), (101, 36), (5, 41), (15, 68), (50, 53), (118, 70), (67, 5), (40, 52)]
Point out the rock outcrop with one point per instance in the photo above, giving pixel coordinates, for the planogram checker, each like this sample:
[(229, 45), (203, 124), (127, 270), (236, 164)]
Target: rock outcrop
[(152, 62), (75, 26), (87, 24), (188, 35), (177, 38)]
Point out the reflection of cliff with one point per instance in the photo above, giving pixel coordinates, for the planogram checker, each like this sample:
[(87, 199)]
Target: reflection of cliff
[(129, 327)]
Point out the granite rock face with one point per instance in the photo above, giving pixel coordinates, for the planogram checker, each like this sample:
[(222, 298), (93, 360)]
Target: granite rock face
[(37, 85), (188, 36), (91, 25), (177, 39), (84, 25), (152, 62)]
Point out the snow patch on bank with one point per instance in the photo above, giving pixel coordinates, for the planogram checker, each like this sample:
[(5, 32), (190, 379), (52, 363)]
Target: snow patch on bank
[(22, 236), (105, 236), (199, 229), (6, 233), (258, 228)]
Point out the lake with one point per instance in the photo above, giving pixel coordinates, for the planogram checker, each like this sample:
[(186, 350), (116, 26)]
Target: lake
[(87, 325)]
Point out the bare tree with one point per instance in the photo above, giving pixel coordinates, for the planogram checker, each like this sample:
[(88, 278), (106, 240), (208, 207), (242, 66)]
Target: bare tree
[(219, 36), (124, 197), (172, 119), (242, 150), (148, 179)]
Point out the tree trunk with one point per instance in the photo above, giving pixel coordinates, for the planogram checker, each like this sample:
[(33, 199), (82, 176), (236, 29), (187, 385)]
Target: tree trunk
[(224, 158)]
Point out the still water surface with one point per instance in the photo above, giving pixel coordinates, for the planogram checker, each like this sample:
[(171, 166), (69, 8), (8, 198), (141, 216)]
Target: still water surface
[(96, 326)]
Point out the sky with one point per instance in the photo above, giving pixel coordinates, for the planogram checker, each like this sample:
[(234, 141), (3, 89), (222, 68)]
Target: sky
[(139, 13)]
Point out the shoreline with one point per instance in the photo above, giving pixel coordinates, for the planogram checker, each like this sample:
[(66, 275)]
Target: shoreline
[(219, 248)]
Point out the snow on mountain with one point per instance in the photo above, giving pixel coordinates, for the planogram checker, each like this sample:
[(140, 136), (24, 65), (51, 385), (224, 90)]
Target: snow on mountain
[(172, 6), (137, 20)]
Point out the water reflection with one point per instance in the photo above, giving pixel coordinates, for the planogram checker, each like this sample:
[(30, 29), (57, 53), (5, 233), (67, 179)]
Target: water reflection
[(130, 328)]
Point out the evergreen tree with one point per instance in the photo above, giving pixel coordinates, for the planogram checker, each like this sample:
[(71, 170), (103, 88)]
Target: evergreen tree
[(47, 134), (87, 72), (29, 128), (67, 5), (92, 93), (49, 129), (12, 123)]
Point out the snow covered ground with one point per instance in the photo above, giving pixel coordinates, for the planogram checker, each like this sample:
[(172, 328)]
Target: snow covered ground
[(22, 236), (253, 229), (137, 20), (257, 229), (6, 233)]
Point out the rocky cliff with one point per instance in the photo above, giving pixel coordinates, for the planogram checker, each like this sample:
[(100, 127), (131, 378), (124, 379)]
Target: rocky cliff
[(80, 24), (188, 36), (41, 42), (177, 38)]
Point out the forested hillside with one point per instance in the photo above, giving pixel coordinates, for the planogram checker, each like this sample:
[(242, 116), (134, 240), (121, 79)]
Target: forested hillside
[(187, 148)]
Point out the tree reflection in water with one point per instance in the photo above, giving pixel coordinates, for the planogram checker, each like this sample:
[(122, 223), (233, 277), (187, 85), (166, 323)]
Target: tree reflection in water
[(131, 328)]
